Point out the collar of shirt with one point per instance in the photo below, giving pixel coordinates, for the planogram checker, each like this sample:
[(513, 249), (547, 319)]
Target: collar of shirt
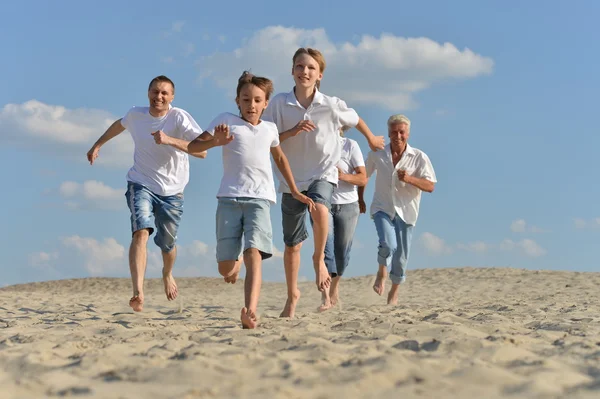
[(409, 151), (292, 100)]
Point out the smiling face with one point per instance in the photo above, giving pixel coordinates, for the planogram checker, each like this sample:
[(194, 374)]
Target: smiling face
[(252, 102), (398, 133), (306, 71), (160, 96)]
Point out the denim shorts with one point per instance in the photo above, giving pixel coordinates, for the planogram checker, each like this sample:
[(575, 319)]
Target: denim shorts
[(149, 210), (293, 212), (247, 219)]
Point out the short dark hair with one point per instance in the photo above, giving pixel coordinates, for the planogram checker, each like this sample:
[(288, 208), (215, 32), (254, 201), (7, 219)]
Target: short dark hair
[(161, 78), (262, 83)]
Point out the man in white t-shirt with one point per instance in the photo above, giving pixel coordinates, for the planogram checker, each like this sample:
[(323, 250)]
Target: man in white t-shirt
[(156, 181), (403, 172)]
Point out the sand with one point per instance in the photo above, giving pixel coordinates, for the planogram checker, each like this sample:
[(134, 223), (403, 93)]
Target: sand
[(457, 333)]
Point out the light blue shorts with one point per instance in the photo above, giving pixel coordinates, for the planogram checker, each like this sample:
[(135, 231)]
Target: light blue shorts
[(247, 219)]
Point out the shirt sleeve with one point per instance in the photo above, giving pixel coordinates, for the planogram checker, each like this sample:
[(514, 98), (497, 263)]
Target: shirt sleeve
[(425, 170), (189, 129), (370, 163), (126, 120), (275, 141), (346, 116), (356, 156)]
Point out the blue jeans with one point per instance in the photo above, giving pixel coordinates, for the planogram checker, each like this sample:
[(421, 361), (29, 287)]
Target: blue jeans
[(394, 244), (342, 224), (149, 210), (293, 212), (243, 219)]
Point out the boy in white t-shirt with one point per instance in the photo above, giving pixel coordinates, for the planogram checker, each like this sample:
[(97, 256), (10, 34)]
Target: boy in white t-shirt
[(309, 123), (247, 188), (156, 181), (403, 173)]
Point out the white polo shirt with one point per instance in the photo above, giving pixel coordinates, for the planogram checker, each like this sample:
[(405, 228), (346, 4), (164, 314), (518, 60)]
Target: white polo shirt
[(247, 170), (352, 158), (163, 169), (392, 195), (312, 155)]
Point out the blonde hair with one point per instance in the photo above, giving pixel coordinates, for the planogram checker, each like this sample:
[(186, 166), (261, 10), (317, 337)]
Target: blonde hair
[(316, 55), (398, 118)]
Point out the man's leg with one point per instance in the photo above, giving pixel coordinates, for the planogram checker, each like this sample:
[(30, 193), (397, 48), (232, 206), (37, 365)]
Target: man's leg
[(141, 204), (386, 248), (403, 234), (293, 218), (169, 210)]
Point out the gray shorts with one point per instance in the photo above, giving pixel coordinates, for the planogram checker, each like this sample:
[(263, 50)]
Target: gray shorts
[(293, 212)]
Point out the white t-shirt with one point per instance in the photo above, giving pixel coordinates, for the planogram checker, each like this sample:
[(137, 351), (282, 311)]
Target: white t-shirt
[(164, 170), (312, 155), (247, 170), (392, 195), (352, 158)]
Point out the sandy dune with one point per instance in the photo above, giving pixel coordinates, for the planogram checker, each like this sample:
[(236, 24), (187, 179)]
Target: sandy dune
[(458, 333)]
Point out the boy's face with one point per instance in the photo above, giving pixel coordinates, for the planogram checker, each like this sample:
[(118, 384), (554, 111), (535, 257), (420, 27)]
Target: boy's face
[(252, 102), (306, 71)]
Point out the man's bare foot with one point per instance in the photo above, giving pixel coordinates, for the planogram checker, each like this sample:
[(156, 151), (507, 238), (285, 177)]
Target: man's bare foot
[(325, 302), (323, 279), (334, 294), (393, 295), (379, 286), (137, 302), (170, 286), (248, 318), (290, 305), (233, 276)]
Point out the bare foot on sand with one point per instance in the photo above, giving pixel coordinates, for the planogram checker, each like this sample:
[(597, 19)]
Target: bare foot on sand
[(137, 302), (248, 319), (379, 286), (290, 305), (393, 295), (325, 302), (233, 276), (170, 286), (334, 294), (323, 279)]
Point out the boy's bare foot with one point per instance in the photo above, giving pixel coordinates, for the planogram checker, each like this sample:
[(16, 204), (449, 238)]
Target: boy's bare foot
[(325, 302), (170, 286), (290, 305), (248, 319), (334, 295), (323, 279), (379, 286), (137, 302), (393, 295), (233, 276)]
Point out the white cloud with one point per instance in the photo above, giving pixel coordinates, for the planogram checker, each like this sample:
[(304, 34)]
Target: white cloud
[(198, 248), (91, 194), (476, 246), (54, 129), (435, 244), (520, 226), (177, 26), (98, 257), (526, 246), (384, 71), (188, 49), (40, 259), (168, 60), (580, 223)]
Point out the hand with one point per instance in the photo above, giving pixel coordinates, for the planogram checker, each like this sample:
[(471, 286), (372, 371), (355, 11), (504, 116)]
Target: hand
[(93, 154), (303, 126), (403, 176), (305, 200), (222, 135), (161, 138), (341, 174), (376, 143), (362, 207)]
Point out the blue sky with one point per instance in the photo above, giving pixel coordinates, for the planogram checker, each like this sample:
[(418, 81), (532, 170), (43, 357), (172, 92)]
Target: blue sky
[(500, 95)]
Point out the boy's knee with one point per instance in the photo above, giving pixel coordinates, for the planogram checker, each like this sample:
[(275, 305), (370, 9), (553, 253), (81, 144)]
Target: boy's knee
[(293, 249), (141, 235)]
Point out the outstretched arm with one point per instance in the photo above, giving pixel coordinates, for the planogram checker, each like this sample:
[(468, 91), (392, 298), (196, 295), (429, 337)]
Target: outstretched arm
[(284, 167), (206, 141), (375, 142), (113, 131), (182, 145)]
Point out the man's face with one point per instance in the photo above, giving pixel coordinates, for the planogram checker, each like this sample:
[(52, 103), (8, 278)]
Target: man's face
[(398, 133), (160, 96)]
